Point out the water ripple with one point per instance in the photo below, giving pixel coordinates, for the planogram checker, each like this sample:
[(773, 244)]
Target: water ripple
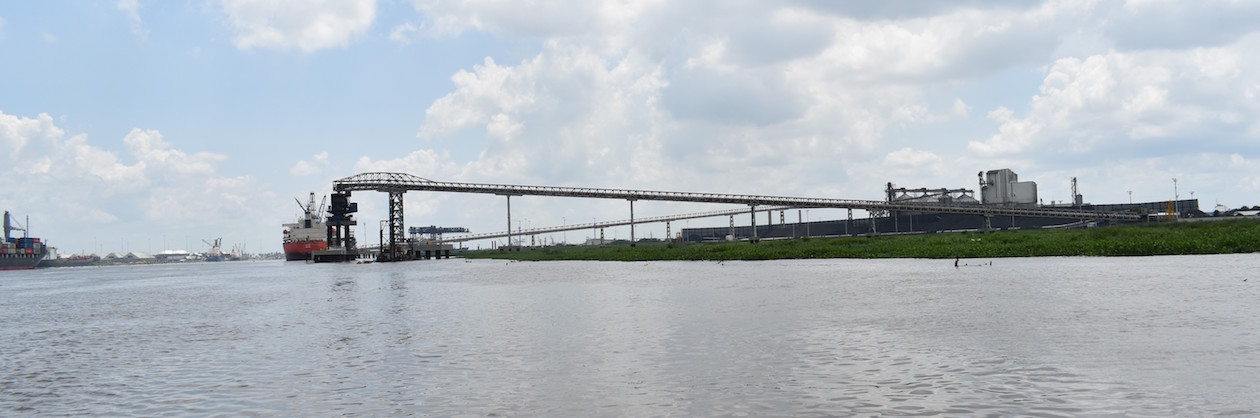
[(1045, 338)]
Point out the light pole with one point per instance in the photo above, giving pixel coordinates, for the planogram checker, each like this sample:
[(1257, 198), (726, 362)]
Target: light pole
[(1130, 197), (565, 234), (1176, 196)]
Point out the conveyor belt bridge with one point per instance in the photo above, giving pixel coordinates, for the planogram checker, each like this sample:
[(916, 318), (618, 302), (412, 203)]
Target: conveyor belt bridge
[(396, 184)]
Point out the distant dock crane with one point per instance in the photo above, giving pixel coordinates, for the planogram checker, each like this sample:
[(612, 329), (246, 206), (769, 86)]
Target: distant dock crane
[(434, 232)]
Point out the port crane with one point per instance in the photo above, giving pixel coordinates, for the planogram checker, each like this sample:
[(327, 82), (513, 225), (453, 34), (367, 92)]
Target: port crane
[(434, 232)]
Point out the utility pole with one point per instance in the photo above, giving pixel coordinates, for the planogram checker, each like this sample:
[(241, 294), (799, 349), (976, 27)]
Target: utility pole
[(1176, 197), (509, 221)]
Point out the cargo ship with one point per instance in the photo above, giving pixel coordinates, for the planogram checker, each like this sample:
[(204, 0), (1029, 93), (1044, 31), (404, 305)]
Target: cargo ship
[(307, 235), (216, 252), (20, 253), (53, 259)]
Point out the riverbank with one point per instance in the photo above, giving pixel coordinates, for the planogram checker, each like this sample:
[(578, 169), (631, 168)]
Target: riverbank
[(1217, 237)]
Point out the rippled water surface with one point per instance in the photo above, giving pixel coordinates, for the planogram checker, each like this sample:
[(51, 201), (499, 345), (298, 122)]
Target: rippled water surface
[(1154, 336)]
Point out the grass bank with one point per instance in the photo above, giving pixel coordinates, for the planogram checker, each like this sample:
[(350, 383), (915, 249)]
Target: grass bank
[(1214, 237)]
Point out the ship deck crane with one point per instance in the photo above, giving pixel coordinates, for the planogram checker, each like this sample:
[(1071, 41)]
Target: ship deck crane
[(309, 208), (215, 248), (9, 226)]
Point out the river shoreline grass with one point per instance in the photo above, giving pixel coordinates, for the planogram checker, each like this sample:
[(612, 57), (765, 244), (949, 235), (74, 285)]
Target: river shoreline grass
[(1178, 238)]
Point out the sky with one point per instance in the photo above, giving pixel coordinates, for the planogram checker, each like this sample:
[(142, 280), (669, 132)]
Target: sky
[(148, 125)]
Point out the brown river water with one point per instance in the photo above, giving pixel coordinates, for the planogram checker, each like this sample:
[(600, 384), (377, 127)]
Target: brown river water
[(1148, 336)]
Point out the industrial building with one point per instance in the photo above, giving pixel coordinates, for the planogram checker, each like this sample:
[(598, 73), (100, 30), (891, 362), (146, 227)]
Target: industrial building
[(1003, 188), (997, 188)]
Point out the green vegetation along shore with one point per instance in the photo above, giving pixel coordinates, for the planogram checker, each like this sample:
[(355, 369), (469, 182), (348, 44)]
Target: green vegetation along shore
[(1206, 237)]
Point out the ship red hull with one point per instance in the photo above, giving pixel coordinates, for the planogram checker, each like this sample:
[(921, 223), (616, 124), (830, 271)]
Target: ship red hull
[(302, 250)]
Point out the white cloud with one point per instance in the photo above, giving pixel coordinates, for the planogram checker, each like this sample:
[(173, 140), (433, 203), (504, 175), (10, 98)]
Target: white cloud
[(196, 199), (1130, 102), (149, 148), (318, 163), (817, 98), (45, 152), (539, 19), (488, 90), (554, 114), (75, 187), (103, 165), (305, 25), (39, 146), (800, 97), (1171, 24), (645, 93), (911, 157), (403, 33), (16, 132), (132, 8), (961, 109), (424, 163)]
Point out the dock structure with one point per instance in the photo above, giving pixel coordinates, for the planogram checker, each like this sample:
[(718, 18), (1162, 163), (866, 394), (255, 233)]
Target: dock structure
[(395, 184), (406, 251), (340, 236)]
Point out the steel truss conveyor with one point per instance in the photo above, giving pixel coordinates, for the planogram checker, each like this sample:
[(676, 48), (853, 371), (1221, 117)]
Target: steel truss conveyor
[(602, 225), (395, 184), (399, 182)]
